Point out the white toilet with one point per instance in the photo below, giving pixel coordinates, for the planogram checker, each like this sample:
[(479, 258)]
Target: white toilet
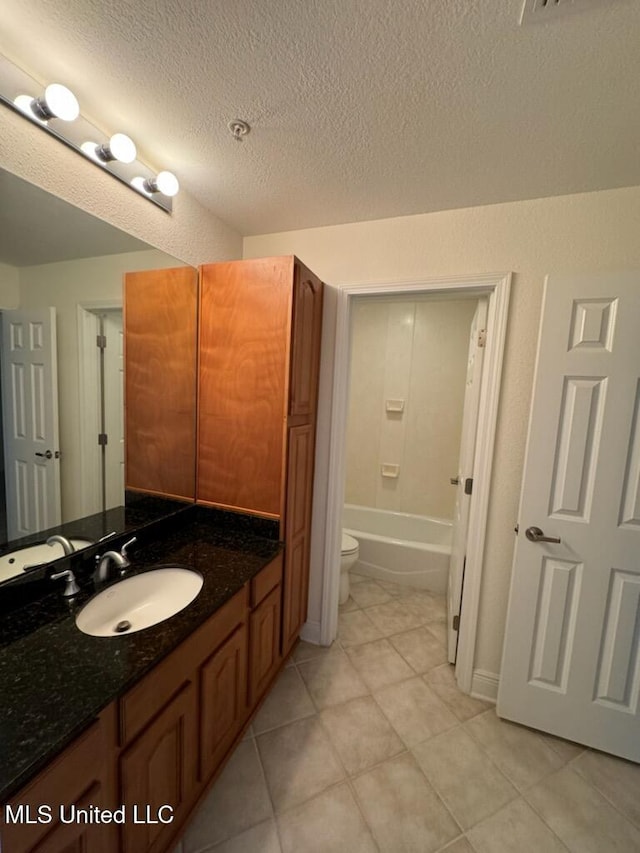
[(348, 558)]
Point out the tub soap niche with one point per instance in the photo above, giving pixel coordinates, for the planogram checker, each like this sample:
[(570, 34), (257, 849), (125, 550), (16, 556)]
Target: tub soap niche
[(388, 469), (394, 407)]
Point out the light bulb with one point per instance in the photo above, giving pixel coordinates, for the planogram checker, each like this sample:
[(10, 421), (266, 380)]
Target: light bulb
[(57, 102), (23, 103), (139, 183), (164, 182), (90, 149), (167, 183), (120, 147), (123, 148)]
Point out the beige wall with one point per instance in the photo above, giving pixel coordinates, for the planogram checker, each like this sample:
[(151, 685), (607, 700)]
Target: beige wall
[(190, 233), (415, 352), (585, 232), (9, 286), (65, 286)]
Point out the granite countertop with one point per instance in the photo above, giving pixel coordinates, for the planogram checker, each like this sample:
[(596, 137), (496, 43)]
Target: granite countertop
[(54, 679)]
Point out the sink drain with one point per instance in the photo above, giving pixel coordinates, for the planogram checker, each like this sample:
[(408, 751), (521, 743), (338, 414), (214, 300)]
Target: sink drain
[(121, 627)]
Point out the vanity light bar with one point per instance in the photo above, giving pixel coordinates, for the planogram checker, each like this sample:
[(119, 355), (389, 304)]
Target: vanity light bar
[(56, 110)]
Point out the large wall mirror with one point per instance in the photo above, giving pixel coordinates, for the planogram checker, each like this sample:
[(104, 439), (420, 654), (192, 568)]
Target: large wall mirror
[(62, 374)]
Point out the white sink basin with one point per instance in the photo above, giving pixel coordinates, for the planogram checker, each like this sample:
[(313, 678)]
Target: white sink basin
[(33, 555), (139, 602)]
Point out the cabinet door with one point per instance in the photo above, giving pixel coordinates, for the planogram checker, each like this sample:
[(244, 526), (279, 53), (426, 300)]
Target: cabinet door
[(297, 532), (160, 769), (79, 837), (83, 775), (264, 632), (305, 344), (160, 318), (223, 700), (244, 323)]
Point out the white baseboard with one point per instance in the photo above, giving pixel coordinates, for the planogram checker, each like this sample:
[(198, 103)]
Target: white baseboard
[(484, 685), (310, 633)]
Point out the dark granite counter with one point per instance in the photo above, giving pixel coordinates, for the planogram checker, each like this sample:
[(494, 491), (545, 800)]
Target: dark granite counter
[(138, 511), (54, 679)]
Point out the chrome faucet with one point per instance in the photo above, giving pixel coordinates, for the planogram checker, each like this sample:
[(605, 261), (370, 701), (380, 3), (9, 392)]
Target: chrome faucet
[(71, 587), (120, 560), (67, 547)]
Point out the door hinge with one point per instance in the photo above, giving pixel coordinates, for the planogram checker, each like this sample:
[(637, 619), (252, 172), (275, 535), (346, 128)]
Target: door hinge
[(482, 337), (456, 622), (103, 439), (468, 485), (101, 341)]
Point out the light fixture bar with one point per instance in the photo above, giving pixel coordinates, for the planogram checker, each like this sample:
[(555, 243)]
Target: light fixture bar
[(78, 133)]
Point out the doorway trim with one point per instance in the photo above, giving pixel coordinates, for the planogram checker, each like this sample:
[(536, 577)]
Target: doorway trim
[(88, 386), (496, 287)]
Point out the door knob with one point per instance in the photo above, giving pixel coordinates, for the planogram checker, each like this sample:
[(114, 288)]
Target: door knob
[(455, 481), (47, 455), (534, 534)]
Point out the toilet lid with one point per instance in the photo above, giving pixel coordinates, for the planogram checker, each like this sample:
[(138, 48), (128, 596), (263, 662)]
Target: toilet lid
[(349, 544)]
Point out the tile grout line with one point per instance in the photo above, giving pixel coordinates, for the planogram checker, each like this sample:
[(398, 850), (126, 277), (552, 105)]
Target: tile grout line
[(268, 790), (539, 815), (518, 794), (634, 823), (449, 844), (352, 790), (505, 773), (597, 791)]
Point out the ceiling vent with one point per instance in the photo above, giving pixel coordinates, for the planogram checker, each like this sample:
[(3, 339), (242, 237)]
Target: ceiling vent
[(539, 11)]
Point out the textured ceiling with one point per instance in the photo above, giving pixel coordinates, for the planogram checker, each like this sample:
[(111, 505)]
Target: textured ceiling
[(360, 109)]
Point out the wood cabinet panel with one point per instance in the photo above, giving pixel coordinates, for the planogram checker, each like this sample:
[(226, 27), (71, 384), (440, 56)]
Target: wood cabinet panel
[(264, 639), (265, 581), (300, 464), (297, 532), (84, 774), (160, 319), (305, 344), (145, 699), (223, 700), (160, 769), (78, 837), (295, 592), (244, 331)]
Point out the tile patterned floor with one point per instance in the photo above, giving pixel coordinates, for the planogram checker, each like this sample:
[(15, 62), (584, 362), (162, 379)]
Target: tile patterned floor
[(370, 746)]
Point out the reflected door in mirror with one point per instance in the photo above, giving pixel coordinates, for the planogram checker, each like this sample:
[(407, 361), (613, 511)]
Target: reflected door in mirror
[(30, 405)]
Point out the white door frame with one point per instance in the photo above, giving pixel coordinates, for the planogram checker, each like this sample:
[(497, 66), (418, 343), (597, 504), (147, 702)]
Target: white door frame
[(88, 386), (496, 287)]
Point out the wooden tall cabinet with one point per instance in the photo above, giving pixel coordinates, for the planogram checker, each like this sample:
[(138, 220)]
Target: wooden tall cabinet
[(160, 320), (260, 328)]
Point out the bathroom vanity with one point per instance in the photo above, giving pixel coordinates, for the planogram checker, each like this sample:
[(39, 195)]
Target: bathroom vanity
[(134, 723), (135, 727)]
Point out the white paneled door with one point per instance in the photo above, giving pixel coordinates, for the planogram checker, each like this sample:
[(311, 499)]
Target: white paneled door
[(30, 410), (571, 663)]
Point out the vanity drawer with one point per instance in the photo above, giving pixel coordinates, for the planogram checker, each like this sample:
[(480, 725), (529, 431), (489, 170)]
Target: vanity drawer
[(147, 698), (265, 581)]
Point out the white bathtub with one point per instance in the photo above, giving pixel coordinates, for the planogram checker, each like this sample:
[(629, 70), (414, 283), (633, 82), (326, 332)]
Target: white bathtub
[(400, 547)]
